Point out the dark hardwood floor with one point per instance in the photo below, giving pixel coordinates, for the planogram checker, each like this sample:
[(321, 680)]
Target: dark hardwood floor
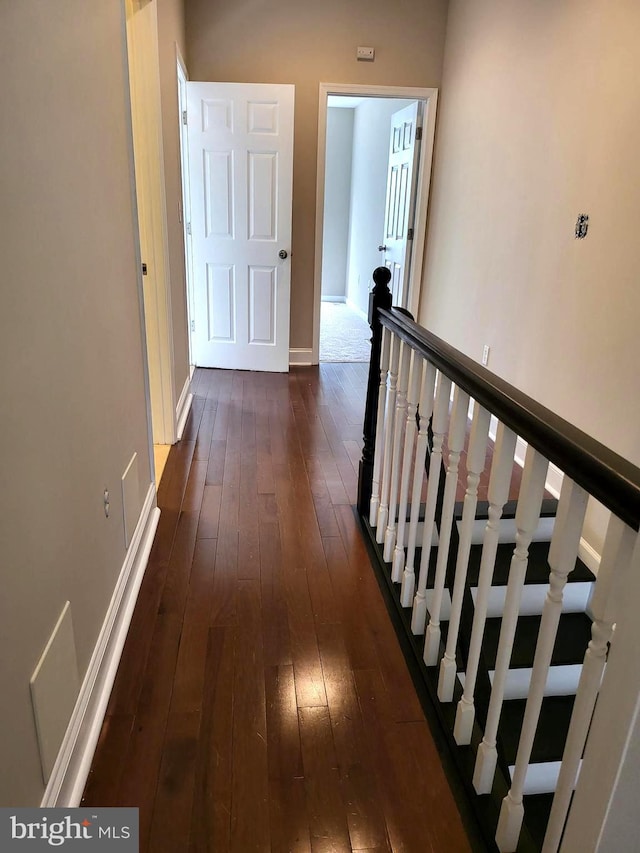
[(262, 702)]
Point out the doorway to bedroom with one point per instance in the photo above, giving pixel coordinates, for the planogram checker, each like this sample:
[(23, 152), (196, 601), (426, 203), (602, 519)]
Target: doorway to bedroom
[(374, 161), (355, 187)]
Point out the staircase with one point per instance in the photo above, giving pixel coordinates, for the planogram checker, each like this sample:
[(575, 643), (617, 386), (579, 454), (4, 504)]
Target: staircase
[(505, 627), (574, 633)]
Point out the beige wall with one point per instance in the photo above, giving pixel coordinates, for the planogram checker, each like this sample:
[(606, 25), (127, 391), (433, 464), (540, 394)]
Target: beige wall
[(71, 364), (171, 32), (305, 42), (539, 121)]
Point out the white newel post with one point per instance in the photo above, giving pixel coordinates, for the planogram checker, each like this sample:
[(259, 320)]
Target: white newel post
[(476, 456), (563, 553), (499, 482), (398, 435), (379, 448), (389, 420), (527, 516), (425, 408), (605, 606), (409, 440), (439, 428), (457, 431)]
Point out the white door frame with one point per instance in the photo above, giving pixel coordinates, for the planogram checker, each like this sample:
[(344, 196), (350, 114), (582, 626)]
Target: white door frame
[(182, 78), (144, 74), (430, 97)]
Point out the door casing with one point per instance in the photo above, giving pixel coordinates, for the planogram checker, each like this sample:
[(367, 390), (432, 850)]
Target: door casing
[(182, 79), (430, 98), (151, 236)]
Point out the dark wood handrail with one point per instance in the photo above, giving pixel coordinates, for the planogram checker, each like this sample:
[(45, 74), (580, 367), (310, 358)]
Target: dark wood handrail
[(610, 478)]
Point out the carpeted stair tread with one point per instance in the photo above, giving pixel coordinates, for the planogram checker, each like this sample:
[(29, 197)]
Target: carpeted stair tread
[(574, 633), (551, 733)]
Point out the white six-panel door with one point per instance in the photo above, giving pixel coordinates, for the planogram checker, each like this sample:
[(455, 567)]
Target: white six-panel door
[(241, 165), (400, 204)]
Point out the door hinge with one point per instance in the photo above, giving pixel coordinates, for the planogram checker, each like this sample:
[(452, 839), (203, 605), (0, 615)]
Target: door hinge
[(193, 325), (189, 228), (418, 134), (184, 116), (144, 269), (410, 234)]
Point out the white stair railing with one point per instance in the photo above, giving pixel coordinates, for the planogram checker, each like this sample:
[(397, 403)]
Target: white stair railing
[(499, 482), (400, 422), (417, 376), (439, 428), (409, 440), (380, 416), (476, 455), (563, 554), (457, 427), (615, 562), (527, 516), (389, 422), (425, 409)]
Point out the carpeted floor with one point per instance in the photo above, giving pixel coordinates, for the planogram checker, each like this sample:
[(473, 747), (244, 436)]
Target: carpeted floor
[(344, 335)]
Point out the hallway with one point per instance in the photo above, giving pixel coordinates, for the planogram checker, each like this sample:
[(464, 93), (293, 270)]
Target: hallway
[(262, 701)]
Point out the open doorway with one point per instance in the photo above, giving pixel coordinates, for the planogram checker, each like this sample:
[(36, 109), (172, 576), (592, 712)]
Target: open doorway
[(358, 199), (144, 90), (360, 191)]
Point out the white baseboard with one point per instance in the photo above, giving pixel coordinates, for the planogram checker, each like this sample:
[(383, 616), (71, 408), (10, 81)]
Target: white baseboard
[(183, 407), (72, 765), (301, 357), (333, 298), (589, 556)]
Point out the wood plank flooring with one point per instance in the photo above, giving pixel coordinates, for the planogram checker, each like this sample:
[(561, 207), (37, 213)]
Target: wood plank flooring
[(262, 702)]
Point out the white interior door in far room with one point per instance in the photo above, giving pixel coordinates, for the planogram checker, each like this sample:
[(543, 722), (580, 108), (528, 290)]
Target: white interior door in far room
[(241, 171), (401, 199), (186, 200)]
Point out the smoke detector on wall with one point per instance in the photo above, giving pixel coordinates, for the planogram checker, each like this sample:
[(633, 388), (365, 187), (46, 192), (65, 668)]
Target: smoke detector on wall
[(365, 54)]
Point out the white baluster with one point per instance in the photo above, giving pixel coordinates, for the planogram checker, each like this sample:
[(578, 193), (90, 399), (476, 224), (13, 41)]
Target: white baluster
[(389, 420), (379, 449), (476, 456), (438, 427), (409, 440), (425, 409), (457, 431), (398, 435), (562, 560), (499, 482), (527, 515), (604, 607)]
